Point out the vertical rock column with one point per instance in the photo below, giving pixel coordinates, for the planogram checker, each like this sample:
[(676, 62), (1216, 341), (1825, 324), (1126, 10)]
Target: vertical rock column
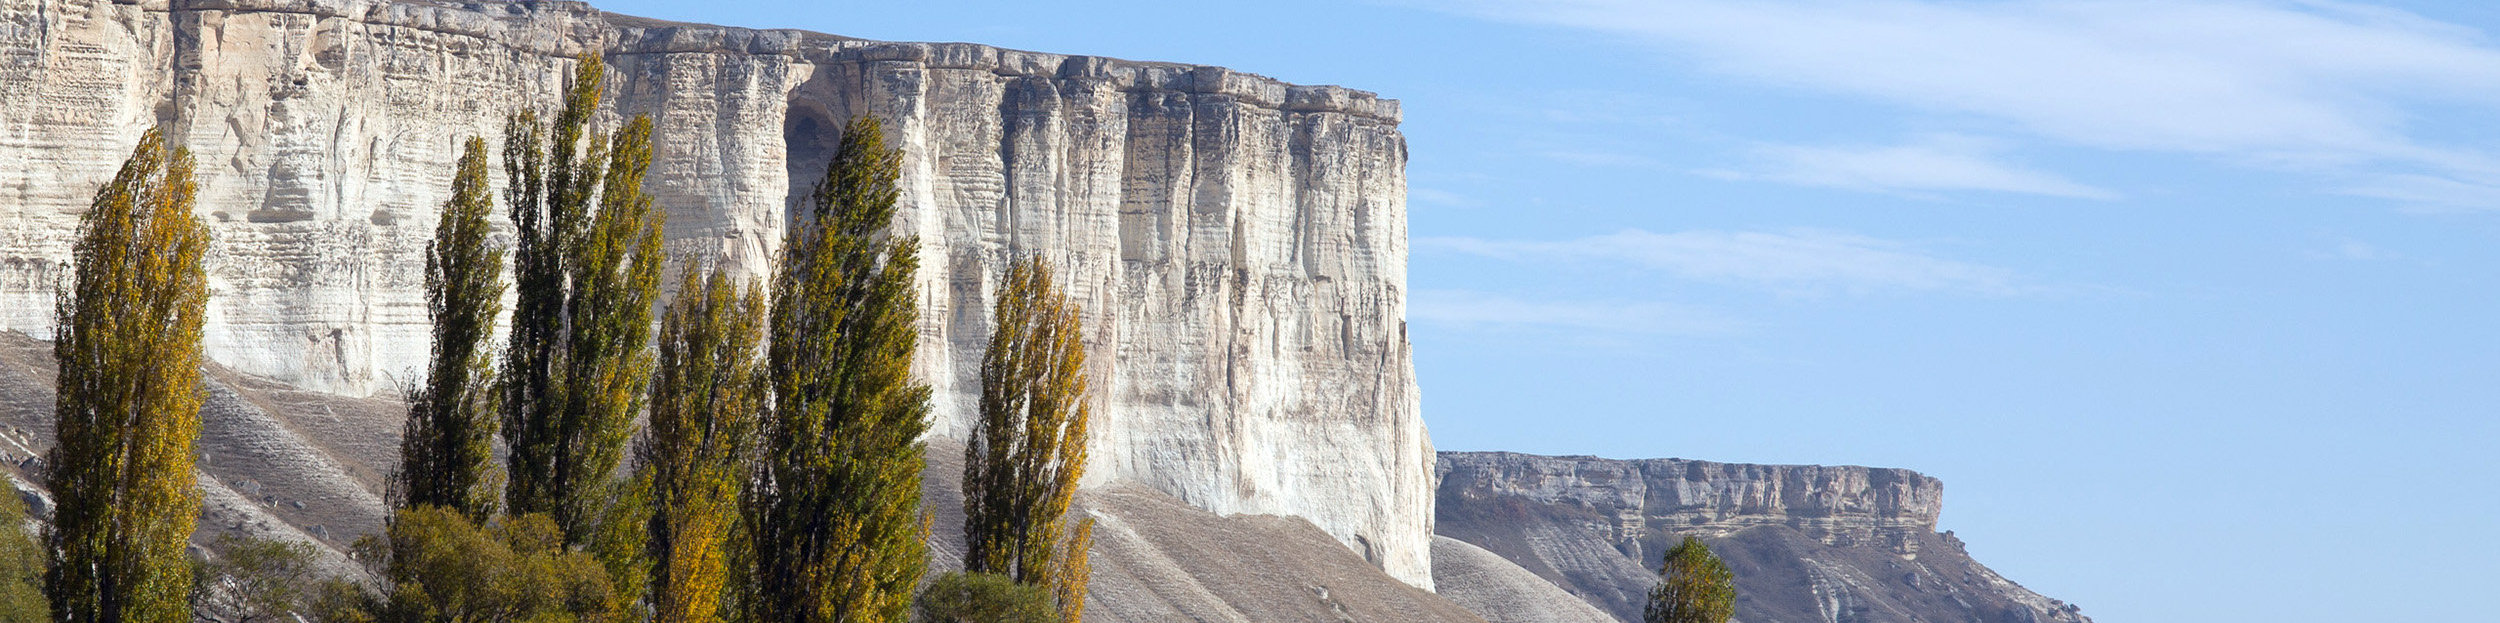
[(1238, 244)]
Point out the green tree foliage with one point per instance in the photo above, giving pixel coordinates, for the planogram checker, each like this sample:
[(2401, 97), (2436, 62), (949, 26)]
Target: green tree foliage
[(21, 562), (128, 345), (621, 541), (836, 522), (447, 453), (339, 600), (1694, 586), (254, 581), (705, 401), (548, 186), (606, 363), (579, 357), (983, 598), (443, 567), (1023, 462), (529, 419)]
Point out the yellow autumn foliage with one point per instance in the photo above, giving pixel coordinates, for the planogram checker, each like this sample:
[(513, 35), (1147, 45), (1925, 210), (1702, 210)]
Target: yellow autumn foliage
[(128, 345), (705, 400)]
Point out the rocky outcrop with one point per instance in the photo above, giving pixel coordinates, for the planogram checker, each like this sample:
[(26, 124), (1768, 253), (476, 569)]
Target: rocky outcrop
[(1500, 591), (1808, 543), (1238, 243)]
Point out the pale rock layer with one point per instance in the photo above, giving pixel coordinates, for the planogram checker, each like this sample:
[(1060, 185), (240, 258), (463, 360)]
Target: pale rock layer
[(1500, 591), (1238, 244), (1807, 543)]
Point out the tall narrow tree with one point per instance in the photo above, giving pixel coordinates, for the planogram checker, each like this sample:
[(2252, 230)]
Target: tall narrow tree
[(447, 454), (1022, 464), (1694, 586), (836, 512), (537, 314), (547, 189), (579, 359), (705, 401), (128, 345), (606, 363)]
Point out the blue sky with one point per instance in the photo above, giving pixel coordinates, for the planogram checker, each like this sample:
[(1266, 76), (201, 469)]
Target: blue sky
[(2190, 303)]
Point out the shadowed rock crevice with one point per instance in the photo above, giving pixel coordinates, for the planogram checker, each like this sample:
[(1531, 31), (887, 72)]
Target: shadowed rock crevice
[(811, 134)]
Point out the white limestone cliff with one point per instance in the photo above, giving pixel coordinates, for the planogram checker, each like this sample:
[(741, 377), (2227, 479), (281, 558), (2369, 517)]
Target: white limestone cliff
[(1238, 243)]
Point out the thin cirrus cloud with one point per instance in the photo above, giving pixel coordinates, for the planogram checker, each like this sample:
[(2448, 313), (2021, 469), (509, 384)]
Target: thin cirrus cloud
[(1804, 262), (1441, 197), (1474, 310), (1935, 164), (2312, 85)]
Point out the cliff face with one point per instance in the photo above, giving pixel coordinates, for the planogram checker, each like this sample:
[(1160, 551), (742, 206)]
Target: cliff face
[(1808, 543), (1238, 243)]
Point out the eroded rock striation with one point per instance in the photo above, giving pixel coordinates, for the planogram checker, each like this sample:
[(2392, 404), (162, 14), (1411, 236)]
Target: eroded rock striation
[(1808, 543), (1238, 243)]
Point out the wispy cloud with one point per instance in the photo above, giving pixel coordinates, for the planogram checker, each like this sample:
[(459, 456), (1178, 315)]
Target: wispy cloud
[(1604, 159), (2354, 250), (2313, 84), (1466, 309), (1604, 107), (1932, 164), (1437, 196), (2428, 192), (1794, 262)]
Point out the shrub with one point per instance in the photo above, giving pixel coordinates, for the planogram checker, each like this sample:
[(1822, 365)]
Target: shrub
[(443, 567), (983, 598), (21, 563), (252, 580)]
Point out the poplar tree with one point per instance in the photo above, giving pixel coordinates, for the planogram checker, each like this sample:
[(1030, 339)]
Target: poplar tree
[(537, 314), (837, 527), (447, 454), (606, 364), (128, 405), (705, 400), (1022, 463), (547, 186), (1694, 586), (579, 357)]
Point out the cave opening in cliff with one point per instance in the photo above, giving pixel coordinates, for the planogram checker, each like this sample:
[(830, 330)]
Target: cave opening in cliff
[(811, 135)]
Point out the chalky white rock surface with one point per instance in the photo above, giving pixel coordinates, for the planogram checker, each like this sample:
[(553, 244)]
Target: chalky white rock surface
[(1238, 243)]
